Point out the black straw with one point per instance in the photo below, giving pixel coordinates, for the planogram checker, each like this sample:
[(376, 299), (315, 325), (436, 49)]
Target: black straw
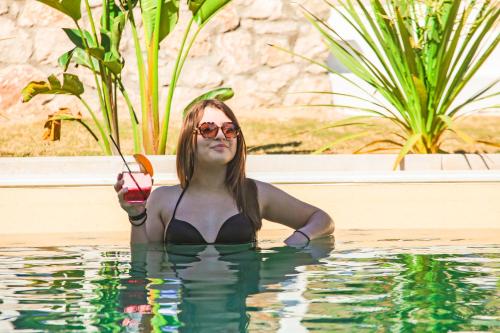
[(130, 171)]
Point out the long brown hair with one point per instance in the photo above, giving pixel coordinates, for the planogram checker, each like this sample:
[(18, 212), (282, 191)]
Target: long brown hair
[(244, 190)]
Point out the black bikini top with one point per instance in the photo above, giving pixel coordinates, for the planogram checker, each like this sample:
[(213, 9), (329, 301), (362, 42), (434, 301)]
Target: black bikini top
[(236, 229)]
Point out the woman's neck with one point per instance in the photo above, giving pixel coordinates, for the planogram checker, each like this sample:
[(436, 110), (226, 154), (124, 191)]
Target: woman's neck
[(207, 177)]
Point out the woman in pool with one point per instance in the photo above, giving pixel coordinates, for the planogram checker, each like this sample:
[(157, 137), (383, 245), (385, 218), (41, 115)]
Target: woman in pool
[(215, 202)]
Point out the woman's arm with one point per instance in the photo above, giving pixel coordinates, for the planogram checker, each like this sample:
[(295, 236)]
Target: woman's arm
[(152, 228), (278, 206)]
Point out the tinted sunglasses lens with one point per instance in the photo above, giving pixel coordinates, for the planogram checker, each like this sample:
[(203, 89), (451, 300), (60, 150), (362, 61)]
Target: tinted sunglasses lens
[(208, 130), (230, 131)]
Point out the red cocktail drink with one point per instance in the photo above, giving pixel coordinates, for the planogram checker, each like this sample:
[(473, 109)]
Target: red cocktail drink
[(134, 194)]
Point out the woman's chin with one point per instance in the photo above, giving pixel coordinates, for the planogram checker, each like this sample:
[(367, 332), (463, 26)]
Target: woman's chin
[(219, 158)]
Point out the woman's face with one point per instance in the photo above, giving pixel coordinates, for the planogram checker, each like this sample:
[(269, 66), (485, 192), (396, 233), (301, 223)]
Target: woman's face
[(218, 150)]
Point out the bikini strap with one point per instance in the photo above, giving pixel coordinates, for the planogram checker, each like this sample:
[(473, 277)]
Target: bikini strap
[(177, 203), (173, 214)]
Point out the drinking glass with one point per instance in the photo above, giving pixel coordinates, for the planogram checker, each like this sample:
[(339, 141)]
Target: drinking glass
[(139, 184)]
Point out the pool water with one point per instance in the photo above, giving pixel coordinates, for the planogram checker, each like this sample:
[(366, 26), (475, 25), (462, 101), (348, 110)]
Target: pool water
[(271, 288)]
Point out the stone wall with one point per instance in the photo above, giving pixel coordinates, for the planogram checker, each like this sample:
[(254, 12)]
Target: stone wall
[(232, 51)]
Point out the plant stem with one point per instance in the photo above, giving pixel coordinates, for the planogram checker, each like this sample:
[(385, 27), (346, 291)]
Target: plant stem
[(141, 72), (105, 143), (173, 80), (133, 118), (91, 64)]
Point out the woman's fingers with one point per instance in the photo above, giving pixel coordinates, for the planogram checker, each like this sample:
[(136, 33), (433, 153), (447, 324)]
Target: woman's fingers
[(121, 194), (129, 206), (118, 185)]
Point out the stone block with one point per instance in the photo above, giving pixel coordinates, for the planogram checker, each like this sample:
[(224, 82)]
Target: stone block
[(308, 83), (4, 7), (315, 69), (274, 79), (272, 27), (13, 79), (17, 49), (262, 9), (50, 44), (200, 74), (309, 44), (237, 51), (270, 55), (247, 94), (14, 9), (35, 13), (318, 7), (226, 20)]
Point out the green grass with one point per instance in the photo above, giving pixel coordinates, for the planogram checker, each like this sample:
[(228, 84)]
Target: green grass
[(263, 136)]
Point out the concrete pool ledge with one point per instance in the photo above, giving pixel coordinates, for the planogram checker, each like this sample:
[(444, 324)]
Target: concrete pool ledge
[(286, 169), (44, 195)]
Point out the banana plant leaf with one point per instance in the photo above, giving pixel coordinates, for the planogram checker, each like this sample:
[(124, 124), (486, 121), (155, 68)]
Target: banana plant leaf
[(221, 94), (53, 124), (117, 27), (79, 57), (204, 10), (194, 5), (169, 15), (71, 85), (76, 37), (68, 7)]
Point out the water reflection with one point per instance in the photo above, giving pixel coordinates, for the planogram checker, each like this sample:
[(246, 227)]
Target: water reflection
[(205, 288), (241, 288)]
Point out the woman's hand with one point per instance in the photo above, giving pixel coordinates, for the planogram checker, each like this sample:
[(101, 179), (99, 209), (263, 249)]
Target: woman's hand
[(132, 209), (296, 240)]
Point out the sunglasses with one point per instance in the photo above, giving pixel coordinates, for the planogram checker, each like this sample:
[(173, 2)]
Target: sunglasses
[(210, 130)]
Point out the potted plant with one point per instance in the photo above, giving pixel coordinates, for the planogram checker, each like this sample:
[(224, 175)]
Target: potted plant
[(424, 54)]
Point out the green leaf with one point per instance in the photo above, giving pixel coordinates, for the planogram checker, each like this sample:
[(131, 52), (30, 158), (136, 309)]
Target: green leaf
[(412, 140), (422, 55), (68, 7), (80, 59), (114, 65), (342, 139), (204, 10), (169, 15), (116, 34), (194, 5), (490, 143), (109, 53), (65, 59), (97, 52), (71, 85), (77, 56), (451, 125), (76, 37), (392, 142), (221, 94), (349, 121), (421, 91), (112, 11)]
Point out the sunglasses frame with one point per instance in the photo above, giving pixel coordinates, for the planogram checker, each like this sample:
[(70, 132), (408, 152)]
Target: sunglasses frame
[(237, 129)]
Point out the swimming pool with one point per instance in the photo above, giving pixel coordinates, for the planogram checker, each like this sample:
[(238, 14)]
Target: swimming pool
[(366, 282)]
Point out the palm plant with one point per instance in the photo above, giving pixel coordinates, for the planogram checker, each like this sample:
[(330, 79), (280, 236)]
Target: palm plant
[(98, 51), (425, 53)]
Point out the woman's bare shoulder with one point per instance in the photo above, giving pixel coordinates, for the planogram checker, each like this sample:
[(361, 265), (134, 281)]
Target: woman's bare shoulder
[(165, 194), (263, 190), (161, 204), (262, 187)]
